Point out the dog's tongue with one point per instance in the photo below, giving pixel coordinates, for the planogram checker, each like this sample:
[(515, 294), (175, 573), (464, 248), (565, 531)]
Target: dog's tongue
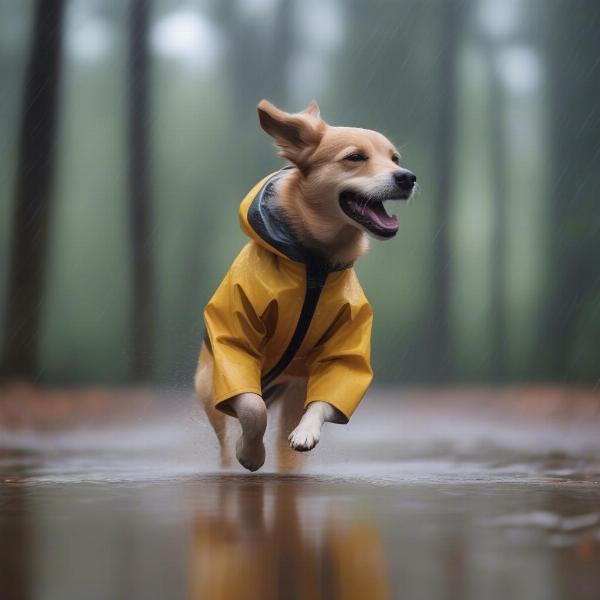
[(377, 213)]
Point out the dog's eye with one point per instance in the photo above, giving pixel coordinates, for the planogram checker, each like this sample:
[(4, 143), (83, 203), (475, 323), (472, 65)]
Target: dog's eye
[(396, 159), (356, 157)]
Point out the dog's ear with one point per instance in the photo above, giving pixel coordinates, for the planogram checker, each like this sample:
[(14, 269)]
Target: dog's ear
[(313, 109), (297, 135)]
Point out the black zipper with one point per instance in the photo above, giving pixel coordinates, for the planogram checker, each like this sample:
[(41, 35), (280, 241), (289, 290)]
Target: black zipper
[(315, 281)]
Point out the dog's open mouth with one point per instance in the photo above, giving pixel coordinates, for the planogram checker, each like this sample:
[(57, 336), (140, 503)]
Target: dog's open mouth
[(370, 213)]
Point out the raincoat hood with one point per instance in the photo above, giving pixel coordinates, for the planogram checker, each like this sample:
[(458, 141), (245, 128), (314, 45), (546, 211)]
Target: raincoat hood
[(260, 221)]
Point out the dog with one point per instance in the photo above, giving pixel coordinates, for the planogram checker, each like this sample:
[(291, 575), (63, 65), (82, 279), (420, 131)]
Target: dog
[(290, 321)]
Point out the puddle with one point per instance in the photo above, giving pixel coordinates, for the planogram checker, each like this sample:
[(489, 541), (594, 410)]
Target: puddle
[(443, 508)]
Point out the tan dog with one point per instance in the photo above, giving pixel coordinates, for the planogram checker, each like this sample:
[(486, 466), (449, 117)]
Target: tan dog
[(290, 320)]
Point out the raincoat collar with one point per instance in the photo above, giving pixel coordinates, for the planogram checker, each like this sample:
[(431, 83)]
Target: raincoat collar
[(260, 220)]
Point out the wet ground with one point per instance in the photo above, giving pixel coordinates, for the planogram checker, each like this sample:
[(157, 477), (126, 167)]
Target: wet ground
[(463, 496)]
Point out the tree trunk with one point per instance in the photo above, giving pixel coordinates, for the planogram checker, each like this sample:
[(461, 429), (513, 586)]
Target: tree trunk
[(140, 209), (452, 23), (33, 193), (572, 320), (499, 178), (280, 52)]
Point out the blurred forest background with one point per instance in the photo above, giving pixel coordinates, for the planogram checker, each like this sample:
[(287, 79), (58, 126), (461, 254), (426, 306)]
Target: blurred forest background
[(129, 137)]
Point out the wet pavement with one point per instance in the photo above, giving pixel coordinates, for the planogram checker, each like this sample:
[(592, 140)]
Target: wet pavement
[(419, 497)]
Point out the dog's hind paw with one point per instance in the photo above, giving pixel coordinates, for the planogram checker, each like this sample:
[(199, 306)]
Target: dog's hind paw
[(304, 438)]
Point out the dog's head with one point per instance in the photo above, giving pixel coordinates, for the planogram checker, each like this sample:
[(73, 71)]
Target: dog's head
[(346, 173)]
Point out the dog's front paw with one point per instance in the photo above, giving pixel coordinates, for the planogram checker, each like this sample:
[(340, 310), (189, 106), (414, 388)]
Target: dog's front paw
[(304, 437), (250, 453)]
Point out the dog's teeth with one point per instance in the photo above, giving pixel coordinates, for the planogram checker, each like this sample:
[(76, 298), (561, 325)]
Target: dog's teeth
[(387, 204)]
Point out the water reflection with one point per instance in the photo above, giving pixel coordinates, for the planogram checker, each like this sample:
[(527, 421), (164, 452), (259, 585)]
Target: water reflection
[(409, 504), (222, 536), (15, 529), (262, 543)]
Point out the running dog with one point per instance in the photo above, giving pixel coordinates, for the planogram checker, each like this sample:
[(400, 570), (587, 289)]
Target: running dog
[(290, 321)]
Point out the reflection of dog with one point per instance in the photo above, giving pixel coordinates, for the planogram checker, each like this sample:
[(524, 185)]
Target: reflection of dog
[(291, 307), (240, 554)]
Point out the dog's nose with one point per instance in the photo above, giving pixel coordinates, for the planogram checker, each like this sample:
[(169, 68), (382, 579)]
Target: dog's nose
[(404, 179)]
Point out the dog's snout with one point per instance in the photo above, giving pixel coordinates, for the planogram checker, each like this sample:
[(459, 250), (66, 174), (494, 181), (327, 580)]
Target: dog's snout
[(405, 179)]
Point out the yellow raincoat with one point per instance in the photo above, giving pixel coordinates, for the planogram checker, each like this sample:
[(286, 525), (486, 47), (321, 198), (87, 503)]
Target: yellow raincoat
[(282, 312)]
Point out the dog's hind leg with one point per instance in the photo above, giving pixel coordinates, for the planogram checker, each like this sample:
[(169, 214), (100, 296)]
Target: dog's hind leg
[(218, 420), (291, 401)]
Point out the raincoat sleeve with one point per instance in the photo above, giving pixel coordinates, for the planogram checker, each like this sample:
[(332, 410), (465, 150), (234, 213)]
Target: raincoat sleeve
[(236, 335), (340, 372)]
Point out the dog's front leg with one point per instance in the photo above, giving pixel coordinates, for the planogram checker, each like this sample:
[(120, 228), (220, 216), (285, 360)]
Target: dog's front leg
[(251, 412), (308, 432)]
